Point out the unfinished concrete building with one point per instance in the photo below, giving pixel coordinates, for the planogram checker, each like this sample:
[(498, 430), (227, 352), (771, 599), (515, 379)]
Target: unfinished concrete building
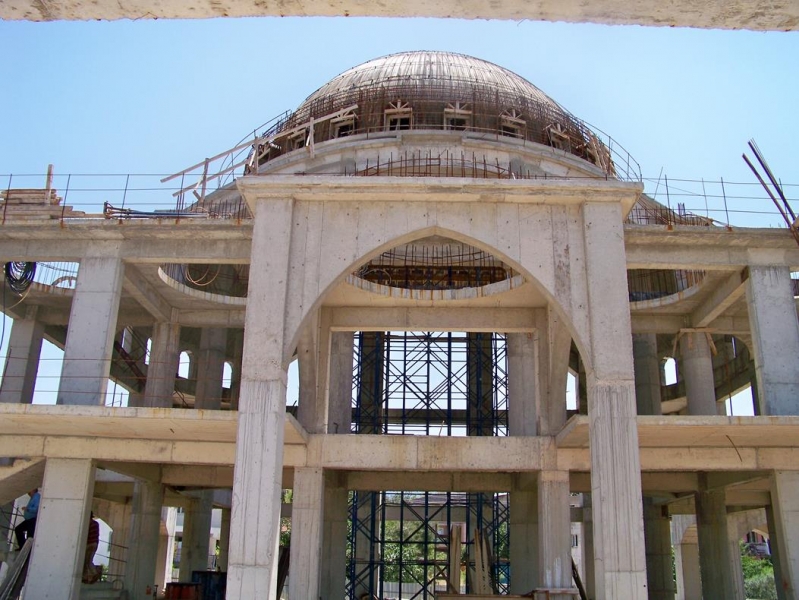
[(439, 245)]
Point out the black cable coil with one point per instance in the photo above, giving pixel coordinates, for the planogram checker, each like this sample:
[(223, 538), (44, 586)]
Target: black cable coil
[(19, 275)]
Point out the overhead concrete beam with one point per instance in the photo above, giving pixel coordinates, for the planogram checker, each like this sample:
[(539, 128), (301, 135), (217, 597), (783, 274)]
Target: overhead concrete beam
[(151, 241), (723, 296), (229, 318), (20, 477), (332, 188), (198, 475), (428, 481), (146, 295), (147, 472), (509, 320), (778, 16)]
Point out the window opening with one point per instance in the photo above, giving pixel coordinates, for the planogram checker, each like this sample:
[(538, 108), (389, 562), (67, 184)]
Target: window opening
[(398, 116), (457, 116), (511, 124), (343, 126), (558, 137)]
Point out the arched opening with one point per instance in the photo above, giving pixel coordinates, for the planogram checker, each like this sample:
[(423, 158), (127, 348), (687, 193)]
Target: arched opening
[(184, 364), (227, 375)]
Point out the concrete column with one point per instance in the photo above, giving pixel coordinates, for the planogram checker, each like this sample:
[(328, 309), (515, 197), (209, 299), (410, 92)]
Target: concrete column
[(657, 534), (589, 579), (163, 366), (90, 335), (523, 399), (370, 406), (339, 417), (686, 557), (339, 421), (210, 368), (62, 525), (657, 527), (313, 349), (774, 547), (334, 543), (235, 376), (736, 567), (306, 532), (696, 368), (166, 547), (208, 396), (258, 471), (480, 391), (370, 391), (134, 340), (196, 535), (119, 522), (524, 540), (163, 561), (784, 518), (523, 384), (775, 339), (145, 526), (22, 362), (714, 549), (553, 349), (647, 374), (554, 530), (619, 557), (224, 540)]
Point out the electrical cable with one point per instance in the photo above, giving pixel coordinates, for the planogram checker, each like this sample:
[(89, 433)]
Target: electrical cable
[(19, 276)]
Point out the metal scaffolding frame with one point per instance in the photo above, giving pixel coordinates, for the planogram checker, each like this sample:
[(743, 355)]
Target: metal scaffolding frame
[(425, 383)]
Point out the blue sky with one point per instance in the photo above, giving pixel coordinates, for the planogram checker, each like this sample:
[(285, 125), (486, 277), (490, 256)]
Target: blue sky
[(157, 96)]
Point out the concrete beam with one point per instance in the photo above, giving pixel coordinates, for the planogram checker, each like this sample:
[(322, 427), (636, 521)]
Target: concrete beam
[(428, 481), (203, 476), (112, 471), (723, 296), (511, 320), (146, 295), (227, 317), (779, 16), (20, 477), (47, 245), (399, 453), (327, 188)]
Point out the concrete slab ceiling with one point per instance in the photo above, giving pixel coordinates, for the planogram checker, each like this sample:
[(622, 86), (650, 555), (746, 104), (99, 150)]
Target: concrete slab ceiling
[(780, 15)]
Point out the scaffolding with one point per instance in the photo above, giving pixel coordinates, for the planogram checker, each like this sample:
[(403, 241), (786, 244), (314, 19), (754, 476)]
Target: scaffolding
[(425, 383)]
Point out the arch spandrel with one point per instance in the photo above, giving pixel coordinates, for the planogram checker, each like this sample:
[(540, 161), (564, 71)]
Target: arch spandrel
[(330, 240)]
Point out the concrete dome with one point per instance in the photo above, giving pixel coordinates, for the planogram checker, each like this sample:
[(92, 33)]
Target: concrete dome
[(426, 91), (427, 74)]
